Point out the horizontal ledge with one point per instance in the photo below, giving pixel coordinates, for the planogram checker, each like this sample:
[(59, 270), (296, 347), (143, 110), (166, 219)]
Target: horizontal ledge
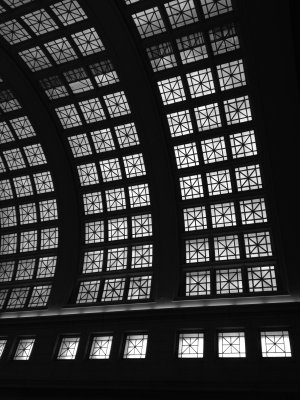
[(161, 304)]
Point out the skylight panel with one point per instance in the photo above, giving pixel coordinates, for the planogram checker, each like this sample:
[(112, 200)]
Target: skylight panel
[(113, 289), (94, 232), (212, 8), (186, 155), (262, 279), (22, 127), (231, 75), (141, 225), (192, 48), (197, 283), (61, 50), (134, 165), (142, 256), (127, 135), (248, 178), (104, 73), (14, 159), (68, 12), (149, 22), (48, 210), (78, 80), (117, 229), (88, 42), (110, 170), (16, 3), (224, 39), (226, 247), (191, 187), (43, 182), (80, 145), (40, 296), (5, 133), (8, 217), (139, 287), (237, 110), (161, 56), (8, 243), (181, 12), (35, 154), (258, 244), (201, 83), (180, 123), (25, 269), (218, 182), (39, 22), (214, 150), (115, 199), (27, 213), (5, 190), (54, 87), (253, 211), (46, 267), (93, 262), (28, 241), (92, 110), (23, 186), (229, 281), (88, 292), (13, 32), (88, 174), (243, 144), (171, 90), (8, 102), (92, 203), (223, 215), (17, 299), (103, 140), (49, 238), (117, 259), (195, 218), (35, 58), (68, 116), (6, 271), (231, 344), (117, 104), (139, 195)]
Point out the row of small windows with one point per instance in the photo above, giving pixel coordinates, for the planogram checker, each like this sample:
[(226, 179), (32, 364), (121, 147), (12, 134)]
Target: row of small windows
[(23, 185), (223, 215), (25, 297), (27, 269), (180, 13), (135, 288), (28, 241), (59, 51), (79, 80), (34, 156), (93, 111), (193, 48), (17, 128), (29, 213), (189, 345), (229, 247), (201, 83), (118, 258), (232, 281), (122, 228)]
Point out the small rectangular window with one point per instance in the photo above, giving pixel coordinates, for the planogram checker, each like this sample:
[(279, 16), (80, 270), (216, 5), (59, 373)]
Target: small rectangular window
[(190, 345), (24, 349), (101, 347), (275, 344), (135, 346), (231, 345), (68, 348)]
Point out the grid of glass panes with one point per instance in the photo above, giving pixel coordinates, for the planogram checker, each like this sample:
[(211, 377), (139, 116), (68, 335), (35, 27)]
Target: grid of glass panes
[(112, 176), (190, 345), (135, 346), (213, 136), (275, 344), (68, 348), (231, 344), (24, 349), (28, 212)]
